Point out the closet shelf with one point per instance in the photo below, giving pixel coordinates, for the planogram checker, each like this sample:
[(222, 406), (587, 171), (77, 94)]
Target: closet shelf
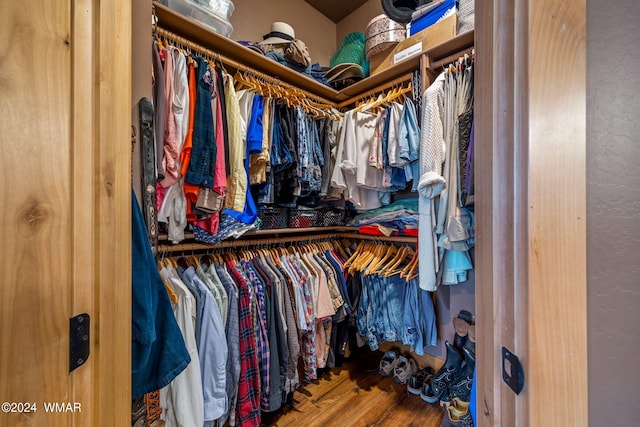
[(276, 236), (191, 30), (450, 47), (282, 231)]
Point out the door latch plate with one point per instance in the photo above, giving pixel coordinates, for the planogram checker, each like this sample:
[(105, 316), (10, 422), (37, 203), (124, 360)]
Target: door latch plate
[(512, 372)]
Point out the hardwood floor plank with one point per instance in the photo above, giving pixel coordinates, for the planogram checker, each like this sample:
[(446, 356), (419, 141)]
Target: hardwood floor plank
[(356, 395)]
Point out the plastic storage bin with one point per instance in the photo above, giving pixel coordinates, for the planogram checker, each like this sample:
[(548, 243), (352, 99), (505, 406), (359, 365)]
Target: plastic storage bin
[(214, 14), (273, 217), (328, 217), (302, 218)]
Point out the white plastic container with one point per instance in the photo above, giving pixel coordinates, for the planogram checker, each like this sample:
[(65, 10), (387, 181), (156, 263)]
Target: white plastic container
[(215, 14)]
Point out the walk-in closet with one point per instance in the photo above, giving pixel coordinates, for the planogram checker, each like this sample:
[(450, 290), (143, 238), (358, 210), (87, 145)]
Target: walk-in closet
[(236, 221)]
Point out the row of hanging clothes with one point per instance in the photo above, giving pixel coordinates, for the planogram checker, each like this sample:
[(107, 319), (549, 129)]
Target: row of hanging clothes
[(226, 143), (378, 149), (251, 316), (445, 187), (258, 323), (392, 307)]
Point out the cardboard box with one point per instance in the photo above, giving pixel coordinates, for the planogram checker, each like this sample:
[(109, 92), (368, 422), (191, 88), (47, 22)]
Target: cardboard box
[(432, 36)]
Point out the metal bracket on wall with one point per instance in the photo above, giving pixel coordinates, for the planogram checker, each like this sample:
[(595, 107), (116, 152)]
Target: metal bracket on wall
[(512, 372), (79, 340)]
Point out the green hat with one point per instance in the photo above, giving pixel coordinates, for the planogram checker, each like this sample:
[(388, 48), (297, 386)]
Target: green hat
[(352, 51)]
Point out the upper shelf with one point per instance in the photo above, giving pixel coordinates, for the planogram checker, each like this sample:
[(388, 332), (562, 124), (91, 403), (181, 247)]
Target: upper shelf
[(197, 33)]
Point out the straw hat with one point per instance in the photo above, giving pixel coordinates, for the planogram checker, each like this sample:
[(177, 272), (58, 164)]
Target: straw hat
[(281, 32)]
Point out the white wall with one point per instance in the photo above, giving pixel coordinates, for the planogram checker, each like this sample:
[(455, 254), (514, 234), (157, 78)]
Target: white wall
[(252, 19), (358, 19)]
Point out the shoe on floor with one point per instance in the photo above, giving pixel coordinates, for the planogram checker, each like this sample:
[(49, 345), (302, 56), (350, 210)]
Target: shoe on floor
[(388, 363), (414, 386), (450, 419), (443, 379), (459, 407), (463, 381), (405, 368), (426, 394)]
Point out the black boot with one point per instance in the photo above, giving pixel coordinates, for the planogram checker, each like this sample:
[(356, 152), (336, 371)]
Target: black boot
[(461, 327), (444, 377), (471, 339), (461, 385)]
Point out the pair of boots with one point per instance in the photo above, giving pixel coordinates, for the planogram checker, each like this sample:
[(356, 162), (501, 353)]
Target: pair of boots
[(454, 379)]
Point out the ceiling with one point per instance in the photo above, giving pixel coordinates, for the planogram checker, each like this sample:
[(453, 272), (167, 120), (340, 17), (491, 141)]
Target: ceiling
[(336, 10)]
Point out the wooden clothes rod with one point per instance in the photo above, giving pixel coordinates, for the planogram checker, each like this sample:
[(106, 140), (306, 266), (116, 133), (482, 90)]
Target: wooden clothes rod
[(197, 246), (451, 58), (189, 247), (189, 45), (392, 239), (376, 90)]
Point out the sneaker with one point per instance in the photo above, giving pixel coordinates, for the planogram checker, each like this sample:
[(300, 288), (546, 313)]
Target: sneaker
[(426, 393), (405, 368), (414, 386), (388, 363)]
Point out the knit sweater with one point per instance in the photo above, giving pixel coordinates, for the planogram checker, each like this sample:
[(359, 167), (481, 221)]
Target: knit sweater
[(431, 183)]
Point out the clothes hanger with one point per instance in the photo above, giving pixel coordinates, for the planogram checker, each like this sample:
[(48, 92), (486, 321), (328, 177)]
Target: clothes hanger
[(370, 105), (172, 295), (411, 266), (171, 262), (378, 253), (216, 257), (160, 262), (205, 261), (353, 256), (230, 256), (183, 262), (390, 264), (360, 261), (390, 251), (395, 268), (366, 254), (341, 251), (363, 260), (193, 261)]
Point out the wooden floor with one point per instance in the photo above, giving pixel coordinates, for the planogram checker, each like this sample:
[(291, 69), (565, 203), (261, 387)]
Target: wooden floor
[(356, 395)]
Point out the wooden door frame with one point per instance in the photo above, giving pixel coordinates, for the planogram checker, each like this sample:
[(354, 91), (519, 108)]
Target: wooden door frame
[(101, 216), (531, 205)]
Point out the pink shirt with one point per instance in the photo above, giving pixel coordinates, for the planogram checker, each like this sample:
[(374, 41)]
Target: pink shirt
[(220, 170), (169, 163)]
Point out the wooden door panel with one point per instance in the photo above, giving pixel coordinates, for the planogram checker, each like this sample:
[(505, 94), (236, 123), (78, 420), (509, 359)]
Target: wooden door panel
[(65, 195), (35, 200), (530, 142)]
